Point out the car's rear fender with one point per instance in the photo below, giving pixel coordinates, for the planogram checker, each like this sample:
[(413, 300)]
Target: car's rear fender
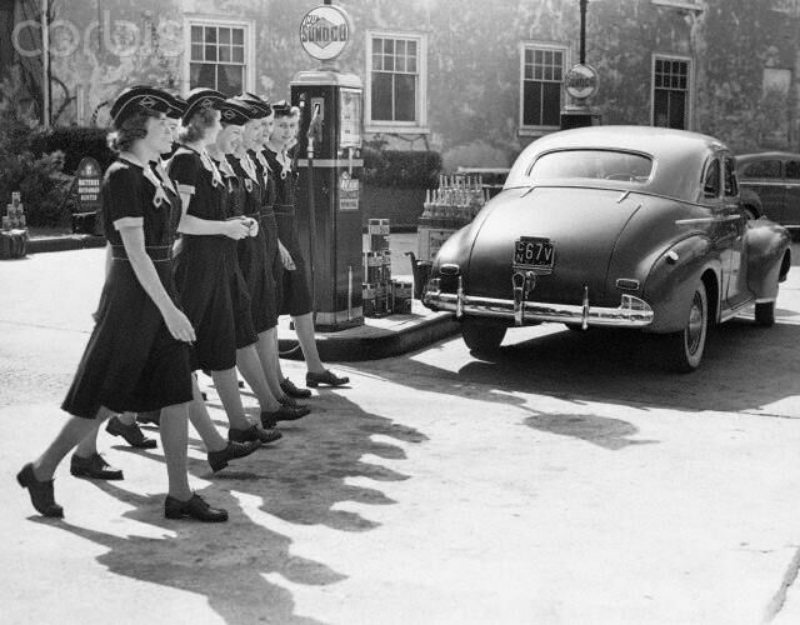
[(768, 258), (671, 282)]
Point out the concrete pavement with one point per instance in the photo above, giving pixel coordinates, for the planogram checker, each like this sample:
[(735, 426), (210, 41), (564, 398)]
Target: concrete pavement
[(563, 483)]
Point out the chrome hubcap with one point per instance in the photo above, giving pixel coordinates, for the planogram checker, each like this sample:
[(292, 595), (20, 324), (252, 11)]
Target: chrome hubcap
[(694, 329)]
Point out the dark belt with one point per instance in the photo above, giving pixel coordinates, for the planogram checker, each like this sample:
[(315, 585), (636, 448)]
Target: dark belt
[(157, 253), (268, 211), (284, 209)]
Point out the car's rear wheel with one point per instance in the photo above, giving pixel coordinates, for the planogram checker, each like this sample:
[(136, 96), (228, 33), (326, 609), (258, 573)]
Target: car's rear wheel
[(482, 336), (684, 349), (765, 314)]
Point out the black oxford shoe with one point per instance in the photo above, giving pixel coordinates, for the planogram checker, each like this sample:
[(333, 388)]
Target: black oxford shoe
[(326, 377), (131, 433), (291, 390), (196, 508), (219, 459), (41, 493), (254, 434), (95, 468), (284, 413)]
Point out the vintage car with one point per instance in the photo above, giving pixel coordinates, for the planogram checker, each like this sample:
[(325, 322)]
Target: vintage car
[(770, 185), (614, 226)]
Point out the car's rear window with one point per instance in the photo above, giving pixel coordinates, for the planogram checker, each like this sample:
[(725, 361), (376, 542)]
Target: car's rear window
[(588, 164), (762, 169)]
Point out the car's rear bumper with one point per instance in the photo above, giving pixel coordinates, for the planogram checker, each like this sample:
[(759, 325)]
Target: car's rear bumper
[(632, 312)]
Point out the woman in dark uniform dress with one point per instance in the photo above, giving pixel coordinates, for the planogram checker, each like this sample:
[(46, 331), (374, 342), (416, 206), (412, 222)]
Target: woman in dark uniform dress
[(244, 198), (296, 292), (262, 266), (138, 355), (212, 289), (126, 425)]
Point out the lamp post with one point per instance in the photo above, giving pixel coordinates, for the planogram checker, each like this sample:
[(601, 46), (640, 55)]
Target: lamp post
[(581, 84), (584, 4), (45, 64)]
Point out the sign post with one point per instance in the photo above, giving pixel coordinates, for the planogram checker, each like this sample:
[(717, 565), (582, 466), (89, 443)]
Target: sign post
[(331, 121), (581, 84), (87, 180)]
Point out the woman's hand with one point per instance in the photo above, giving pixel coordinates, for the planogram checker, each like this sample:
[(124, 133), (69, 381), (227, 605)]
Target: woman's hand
[(253, 224), (179, 325), (286, 258), (237, 229)]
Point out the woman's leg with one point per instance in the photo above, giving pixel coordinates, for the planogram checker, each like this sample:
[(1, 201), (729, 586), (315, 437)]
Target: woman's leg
[(175, 439), (304, 326), (253, 371), (268, 354), (201, 421), (181, 502), (227, 385), (127, 418), (73, 432)]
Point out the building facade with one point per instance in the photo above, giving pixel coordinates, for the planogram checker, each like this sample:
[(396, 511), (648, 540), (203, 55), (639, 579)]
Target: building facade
[(476, 80)]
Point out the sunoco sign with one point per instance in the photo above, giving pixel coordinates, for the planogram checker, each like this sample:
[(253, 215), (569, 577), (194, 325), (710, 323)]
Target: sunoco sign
[(325, 32), (581, 81)]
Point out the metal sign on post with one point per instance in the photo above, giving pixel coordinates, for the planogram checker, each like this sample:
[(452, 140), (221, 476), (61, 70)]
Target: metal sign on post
[(87, 183), (581, 81), (89, 176), (325, 32)]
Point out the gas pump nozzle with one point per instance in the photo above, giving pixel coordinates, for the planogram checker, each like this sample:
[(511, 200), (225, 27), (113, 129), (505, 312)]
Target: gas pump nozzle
[(314, 133)]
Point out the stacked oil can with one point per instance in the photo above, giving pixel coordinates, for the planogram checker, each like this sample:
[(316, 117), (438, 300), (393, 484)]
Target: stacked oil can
[(448, 209), (381, 294), (14, 234)]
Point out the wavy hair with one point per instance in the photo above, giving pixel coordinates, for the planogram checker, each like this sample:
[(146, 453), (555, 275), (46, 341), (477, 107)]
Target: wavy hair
[(131, 130), (195, 129)]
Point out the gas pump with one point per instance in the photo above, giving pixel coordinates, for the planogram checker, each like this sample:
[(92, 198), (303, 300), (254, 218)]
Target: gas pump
[(329, 216)]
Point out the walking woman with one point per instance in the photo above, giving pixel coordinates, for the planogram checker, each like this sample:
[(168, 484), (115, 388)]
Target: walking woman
[(296, 293), (212, 288), (262, 265), (138, 355)]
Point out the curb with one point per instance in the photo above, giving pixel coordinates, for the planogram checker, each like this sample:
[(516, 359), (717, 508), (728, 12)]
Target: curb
[(386, 344), (64, 243)]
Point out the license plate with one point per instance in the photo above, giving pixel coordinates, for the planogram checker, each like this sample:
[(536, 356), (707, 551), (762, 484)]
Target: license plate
[(534, 253)]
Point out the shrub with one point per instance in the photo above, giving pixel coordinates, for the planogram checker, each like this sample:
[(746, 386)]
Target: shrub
[(37, 177), (76, 143), (402, 169)]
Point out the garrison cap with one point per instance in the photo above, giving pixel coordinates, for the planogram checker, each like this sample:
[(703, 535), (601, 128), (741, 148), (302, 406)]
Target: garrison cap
[(138, 99), (235, 112), (200, 99), (282, 108), (259, 104)]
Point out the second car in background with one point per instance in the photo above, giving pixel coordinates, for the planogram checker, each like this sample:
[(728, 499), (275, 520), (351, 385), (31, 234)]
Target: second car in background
[(770, 184)]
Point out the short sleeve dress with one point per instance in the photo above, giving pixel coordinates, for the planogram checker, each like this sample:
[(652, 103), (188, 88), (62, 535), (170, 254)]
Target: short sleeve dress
[(269, 224), (296, 292), (253, 250), (212, 290), (132, 362)]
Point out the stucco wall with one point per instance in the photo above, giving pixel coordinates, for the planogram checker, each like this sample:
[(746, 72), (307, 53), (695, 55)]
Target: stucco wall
[(473, 58)]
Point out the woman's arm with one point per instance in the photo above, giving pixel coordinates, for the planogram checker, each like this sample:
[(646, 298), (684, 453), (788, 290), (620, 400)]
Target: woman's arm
[(189, 224), (177, 323), (286, 257)]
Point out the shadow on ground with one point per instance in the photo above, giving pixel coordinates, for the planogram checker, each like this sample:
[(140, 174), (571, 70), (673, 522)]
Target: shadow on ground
[(746, 368), (300, 480)]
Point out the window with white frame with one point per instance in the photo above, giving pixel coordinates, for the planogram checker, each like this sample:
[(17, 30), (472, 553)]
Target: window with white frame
[(672, 80), (396, 80), (219, 55), (543, 68)]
